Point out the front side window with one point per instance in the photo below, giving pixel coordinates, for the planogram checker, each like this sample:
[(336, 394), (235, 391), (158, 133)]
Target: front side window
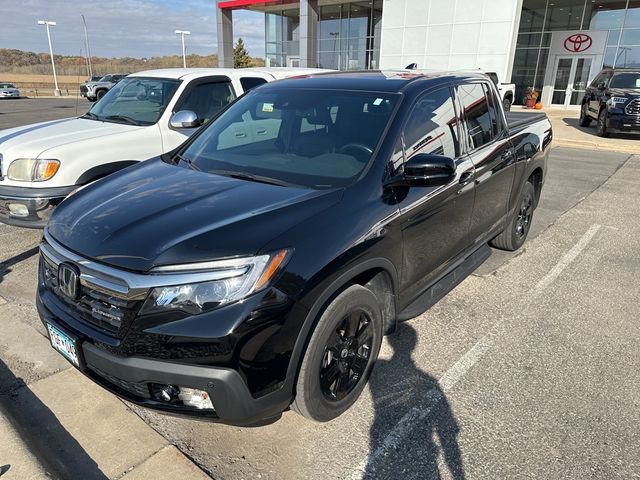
[(432, 126), (207, 99), (135, 101), (312, 138), (251, 82), (476, 115)]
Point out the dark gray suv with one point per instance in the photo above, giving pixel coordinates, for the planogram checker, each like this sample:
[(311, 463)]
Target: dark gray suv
[(96, 90)]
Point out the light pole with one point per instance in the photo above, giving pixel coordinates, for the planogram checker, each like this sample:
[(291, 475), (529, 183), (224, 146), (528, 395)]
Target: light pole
[(182, 33), (86, 42), (47, 23)]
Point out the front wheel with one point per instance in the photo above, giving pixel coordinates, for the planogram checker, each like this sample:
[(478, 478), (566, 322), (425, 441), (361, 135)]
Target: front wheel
[(340, 355), (506, 104), (602, 123), (585, 119), (514, 236), (100, 94)]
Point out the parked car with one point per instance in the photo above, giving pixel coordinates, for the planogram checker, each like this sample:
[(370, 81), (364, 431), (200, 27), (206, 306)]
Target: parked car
[(144, 115), (95, 90), (613, 100), (258, 266), (505, 90), (9, 90)]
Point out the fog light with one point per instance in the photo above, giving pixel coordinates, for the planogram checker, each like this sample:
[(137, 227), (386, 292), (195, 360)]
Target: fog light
[(192, 397), (18, 210), (164, 393)]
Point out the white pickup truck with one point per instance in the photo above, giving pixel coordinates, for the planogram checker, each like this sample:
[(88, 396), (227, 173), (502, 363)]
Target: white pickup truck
[(142, 116)]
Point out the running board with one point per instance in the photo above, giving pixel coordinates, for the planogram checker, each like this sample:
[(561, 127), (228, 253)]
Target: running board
[(451, 280)]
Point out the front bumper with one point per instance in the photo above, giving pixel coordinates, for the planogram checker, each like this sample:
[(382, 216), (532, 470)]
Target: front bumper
[(129, 377), (10, 95), (623, 122), (30, 207)]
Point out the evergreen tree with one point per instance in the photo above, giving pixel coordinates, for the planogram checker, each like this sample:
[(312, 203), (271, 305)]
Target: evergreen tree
[(241, 58)]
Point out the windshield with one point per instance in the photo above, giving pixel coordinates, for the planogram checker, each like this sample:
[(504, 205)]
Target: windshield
[(106, 78), (625, 80), (313, 138), (7, 85), (135, 100)]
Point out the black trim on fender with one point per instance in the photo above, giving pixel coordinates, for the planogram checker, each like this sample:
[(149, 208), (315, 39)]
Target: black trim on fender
[(100, 171)]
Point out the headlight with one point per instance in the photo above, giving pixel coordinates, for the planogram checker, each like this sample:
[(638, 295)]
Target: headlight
[(617, 101), (32, 169), (232, 280)]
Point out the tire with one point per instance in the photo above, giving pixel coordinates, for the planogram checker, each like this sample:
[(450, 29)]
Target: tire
[(514, 236), (585, 119), (337, 362), (506, 104), (100, 94), (91, 99), (602, 124)]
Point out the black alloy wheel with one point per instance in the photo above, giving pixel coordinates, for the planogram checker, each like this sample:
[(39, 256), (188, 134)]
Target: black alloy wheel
[(340, 355), (523, 220), (517, 230), (346, 356), (602, 123)]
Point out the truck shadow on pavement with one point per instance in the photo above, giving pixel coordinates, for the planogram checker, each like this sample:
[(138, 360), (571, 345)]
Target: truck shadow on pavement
[(591, 130), (413, 419), (57, 450), (5, 265)]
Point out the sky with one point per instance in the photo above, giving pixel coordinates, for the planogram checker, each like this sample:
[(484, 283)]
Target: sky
[(123, 28)]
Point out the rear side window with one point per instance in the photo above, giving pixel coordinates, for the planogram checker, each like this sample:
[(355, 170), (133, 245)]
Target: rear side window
[(432, 126), (251, 82), (207, 99), (476, 115)]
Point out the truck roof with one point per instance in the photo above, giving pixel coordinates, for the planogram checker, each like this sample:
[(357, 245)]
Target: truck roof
[(378, 80), (182, 73)]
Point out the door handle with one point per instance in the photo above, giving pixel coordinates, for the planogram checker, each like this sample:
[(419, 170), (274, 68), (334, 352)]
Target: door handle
[(467, 177)]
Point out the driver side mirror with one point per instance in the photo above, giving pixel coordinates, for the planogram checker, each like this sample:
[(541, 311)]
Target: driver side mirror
[(429, 170), (184, 119)]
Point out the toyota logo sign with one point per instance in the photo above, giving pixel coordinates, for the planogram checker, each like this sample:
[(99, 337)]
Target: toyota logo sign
[(578, 42)]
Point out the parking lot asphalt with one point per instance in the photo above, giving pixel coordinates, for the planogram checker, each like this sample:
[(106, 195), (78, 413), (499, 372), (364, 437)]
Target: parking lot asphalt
[(528, 369), (15, 112)]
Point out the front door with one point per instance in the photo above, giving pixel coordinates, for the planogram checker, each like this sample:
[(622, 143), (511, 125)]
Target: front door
[(570, 81)]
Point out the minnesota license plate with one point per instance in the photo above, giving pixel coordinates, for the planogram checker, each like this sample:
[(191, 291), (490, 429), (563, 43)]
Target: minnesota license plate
[(63, 344)]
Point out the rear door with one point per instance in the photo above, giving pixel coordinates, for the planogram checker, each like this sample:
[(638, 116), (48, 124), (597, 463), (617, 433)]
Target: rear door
[(487, 143), (435, 220)]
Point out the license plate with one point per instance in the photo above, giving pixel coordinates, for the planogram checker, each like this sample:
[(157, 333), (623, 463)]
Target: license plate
[(64, 344)]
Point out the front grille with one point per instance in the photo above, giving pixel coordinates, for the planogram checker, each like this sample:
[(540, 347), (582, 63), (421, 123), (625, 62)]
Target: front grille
[(633, 107), (138, 389), (108, 313), (83, 89)]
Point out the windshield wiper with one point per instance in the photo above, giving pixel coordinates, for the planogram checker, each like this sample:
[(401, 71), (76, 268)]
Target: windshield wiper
[(251, 177), (124, 118), (189, 162), (91, 115)]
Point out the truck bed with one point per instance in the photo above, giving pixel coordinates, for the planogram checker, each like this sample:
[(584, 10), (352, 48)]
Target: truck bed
[(520, 120)]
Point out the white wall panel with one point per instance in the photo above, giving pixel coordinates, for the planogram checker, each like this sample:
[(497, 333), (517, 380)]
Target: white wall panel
[(460, 34)]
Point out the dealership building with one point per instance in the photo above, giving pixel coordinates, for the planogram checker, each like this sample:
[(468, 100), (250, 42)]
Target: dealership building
[(556, 46)]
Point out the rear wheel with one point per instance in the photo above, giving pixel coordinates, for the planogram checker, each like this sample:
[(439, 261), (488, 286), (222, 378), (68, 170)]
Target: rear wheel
[(514, 236), (585, 119), (340, 355), (602, 123)]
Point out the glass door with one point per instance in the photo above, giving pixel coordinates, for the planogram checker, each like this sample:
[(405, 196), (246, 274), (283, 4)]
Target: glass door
[(570, 80)]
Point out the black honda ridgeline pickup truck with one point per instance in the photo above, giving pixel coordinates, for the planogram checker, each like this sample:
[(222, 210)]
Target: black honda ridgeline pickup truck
[(257, 267)]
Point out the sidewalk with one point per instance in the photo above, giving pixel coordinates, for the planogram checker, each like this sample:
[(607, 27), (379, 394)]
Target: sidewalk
[(55, 423), (567, 133)]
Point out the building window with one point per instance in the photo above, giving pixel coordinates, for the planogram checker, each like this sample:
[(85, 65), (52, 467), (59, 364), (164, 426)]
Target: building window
[(282, 47), (541, 17), (349, 35)]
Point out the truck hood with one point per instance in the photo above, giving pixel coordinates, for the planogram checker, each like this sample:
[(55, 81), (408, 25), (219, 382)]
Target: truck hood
[(155, 214), (31, 141)]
